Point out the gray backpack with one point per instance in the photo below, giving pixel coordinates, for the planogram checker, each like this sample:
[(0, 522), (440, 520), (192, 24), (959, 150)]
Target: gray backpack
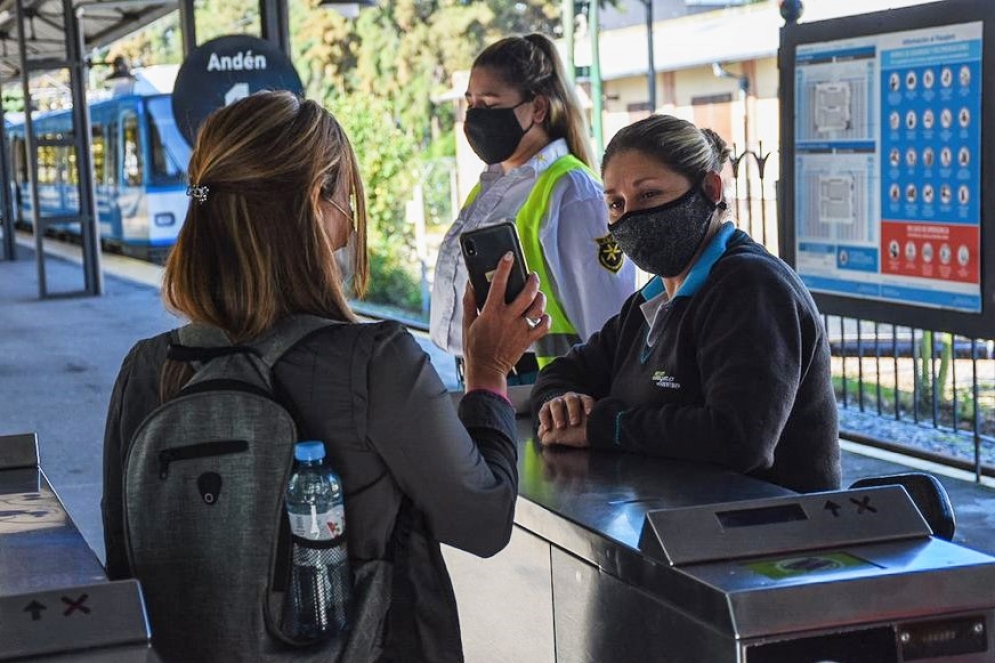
[(205, 521)]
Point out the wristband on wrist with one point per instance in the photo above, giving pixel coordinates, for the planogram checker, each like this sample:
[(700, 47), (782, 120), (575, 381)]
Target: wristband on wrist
[(492, 391)]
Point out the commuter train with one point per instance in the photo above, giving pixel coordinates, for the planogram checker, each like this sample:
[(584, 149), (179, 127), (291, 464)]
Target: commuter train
[(139, 164)]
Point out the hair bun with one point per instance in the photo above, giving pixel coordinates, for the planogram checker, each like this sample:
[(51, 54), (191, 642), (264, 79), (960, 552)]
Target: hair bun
[(719, 146)]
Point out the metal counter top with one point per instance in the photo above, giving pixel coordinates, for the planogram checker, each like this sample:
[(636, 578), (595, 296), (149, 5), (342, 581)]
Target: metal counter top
[(56, 603), (593, 505), (40, 546)]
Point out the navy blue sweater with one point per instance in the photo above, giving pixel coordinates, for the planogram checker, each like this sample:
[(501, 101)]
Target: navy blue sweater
[(739, 375)]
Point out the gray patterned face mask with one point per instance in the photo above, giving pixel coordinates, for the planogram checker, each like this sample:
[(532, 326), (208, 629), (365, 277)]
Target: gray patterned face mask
[(662, 240)]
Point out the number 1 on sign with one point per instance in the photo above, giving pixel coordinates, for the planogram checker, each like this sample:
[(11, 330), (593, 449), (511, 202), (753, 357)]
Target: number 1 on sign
[(236, 92)]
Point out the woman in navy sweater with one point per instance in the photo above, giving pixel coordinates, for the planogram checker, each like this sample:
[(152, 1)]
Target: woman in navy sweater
[(722, 357)]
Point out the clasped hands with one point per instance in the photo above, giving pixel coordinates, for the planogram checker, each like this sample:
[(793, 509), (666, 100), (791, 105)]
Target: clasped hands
[(563, 420)]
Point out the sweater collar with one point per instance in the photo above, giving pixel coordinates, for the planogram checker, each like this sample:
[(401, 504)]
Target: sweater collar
[(696, 277), (655, 295), (707, 259)]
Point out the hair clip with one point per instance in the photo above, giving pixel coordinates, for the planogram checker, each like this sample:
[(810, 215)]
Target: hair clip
[(198, 192)]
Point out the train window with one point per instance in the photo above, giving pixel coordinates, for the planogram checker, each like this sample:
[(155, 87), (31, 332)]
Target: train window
[(72, 170), (131, 152), (47, 162), (170, 153), (98, 148), (112, 160)]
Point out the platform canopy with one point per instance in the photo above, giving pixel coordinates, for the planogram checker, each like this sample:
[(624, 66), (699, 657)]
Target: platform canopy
[(102, 21)]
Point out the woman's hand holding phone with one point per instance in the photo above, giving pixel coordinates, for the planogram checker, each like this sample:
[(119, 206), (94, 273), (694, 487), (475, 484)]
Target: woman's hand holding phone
[(495, 338), (482, 249)]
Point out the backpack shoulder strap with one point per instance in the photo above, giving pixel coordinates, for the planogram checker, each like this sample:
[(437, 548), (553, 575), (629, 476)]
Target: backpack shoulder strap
[(198, 335), (287, 333), (401, 628), (198, 342)]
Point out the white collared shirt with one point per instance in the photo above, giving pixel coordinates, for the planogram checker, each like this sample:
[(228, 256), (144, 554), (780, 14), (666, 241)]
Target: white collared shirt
[(587, 292)]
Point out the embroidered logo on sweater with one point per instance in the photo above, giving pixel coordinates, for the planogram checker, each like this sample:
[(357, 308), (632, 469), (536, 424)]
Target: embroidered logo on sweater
[(665, 381)]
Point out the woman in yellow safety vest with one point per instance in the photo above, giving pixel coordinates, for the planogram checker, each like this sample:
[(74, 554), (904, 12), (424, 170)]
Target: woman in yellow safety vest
[(524, 122)]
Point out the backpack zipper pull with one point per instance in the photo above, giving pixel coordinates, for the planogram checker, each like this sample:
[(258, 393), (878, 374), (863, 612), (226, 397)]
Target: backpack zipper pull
[(166, 456)]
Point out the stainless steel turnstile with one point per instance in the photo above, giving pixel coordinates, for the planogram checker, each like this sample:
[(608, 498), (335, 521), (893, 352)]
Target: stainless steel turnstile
[(849, 576), (618, 558), (56, 604)]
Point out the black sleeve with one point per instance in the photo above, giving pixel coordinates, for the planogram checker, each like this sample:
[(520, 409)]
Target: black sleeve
[(111, 504), (461, 471), (749, 350), (586, 369), (135, 394)]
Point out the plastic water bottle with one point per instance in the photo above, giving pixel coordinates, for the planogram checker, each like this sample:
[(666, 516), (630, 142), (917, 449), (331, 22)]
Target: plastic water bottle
[(317, 601)]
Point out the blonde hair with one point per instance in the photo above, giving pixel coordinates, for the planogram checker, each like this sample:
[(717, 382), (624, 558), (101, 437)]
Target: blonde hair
[(255, 250), (532, 65), (673, 142)]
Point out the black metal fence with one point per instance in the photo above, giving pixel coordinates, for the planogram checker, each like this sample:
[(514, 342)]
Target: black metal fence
[(921, 392)]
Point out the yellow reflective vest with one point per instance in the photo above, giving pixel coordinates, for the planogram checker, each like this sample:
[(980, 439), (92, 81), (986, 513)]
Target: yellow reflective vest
[(562, 334)]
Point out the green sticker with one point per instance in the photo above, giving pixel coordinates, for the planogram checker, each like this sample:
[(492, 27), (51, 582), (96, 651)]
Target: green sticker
[(806, 565)]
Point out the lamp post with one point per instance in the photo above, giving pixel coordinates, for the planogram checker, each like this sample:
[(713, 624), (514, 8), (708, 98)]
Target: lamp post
[(568, 18), (651, 65), (348, 8), (597, 96)]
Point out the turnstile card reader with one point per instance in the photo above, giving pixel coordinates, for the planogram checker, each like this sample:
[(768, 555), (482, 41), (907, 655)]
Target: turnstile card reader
[(781, 524), (18, 451), (108, 617), (848, 576), (56, 604)]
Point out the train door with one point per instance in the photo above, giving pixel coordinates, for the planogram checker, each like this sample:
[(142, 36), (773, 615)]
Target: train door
[(52, 166), (104, 144), (131, 191), (168, 157), (56, 194), (19, 160)]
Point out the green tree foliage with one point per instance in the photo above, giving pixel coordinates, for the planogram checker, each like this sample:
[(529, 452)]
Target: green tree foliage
[(406, 51), (13, 99), (161, 41), (386, 155), (216, 18), (324, 46)]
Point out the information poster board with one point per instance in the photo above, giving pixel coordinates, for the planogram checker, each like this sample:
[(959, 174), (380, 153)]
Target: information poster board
[(883, 193)]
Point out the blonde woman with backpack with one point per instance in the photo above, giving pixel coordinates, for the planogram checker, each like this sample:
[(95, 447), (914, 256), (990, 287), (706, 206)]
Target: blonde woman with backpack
[(275, 193)]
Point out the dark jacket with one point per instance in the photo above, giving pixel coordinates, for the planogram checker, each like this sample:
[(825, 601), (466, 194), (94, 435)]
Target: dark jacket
[(739, 375), (392, 432)]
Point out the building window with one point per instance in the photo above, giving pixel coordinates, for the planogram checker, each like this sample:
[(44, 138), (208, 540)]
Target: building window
[(638, 111), (714, 112)]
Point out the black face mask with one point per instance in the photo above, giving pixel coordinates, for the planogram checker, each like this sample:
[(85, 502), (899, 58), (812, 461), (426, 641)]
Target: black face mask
[(662, 240), (494, 133)]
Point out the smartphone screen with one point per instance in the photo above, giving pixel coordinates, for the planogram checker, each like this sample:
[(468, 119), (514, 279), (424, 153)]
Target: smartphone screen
[(482, 250)]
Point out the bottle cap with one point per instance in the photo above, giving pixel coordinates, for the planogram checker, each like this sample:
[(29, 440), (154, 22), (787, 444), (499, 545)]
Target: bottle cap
[(310, 450)]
